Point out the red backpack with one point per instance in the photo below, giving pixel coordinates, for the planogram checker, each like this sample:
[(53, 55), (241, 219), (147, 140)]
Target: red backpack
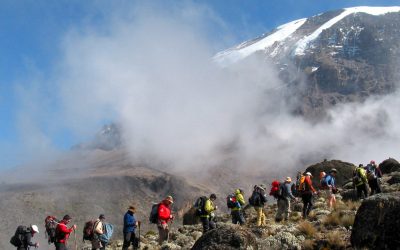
[(275, 188)]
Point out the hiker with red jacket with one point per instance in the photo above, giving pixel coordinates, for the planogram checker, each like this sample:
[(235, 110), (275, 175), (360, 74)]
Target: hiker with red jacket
[(307, 191), (164, 217), (63, 232)]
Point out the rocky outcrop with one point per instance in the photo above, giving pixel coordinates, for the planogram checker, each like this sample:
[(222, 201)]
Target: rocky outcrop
[(345, 171), (190, 218), (389, 165), (227, 236), (377, 223)]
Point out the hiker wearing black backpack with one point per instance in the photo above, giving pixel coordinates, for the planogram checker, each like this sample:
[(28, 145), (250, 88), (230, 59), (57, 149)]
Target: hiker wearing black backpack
[(164, 217), (307, 191), (284, 198), (206, 212), (373, 174), (63, 232), (237, 202), (22, 238), (258, 199), (130, 224), (360, 181)]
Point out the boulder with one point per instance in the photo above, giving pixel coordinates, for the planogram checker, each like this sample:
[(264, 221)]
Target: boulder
[(345, 171), (349, 195), (389, 165), (377, 223), (190, 218), (227, 236), (394, 180)]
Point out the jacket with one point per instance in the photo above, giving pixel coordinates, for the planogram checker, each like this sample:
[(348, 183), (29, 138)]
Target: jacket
[(330, 180), (286, 191), (27, 239), (239, 199), (164, 213), (308, 185), (209, 208), (63, 232), (98, 227), (361, 173), (129, 222)]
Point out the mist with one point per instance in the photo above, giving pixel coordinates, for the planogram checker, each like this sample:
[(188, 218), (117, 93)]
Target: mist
[(152, 71)]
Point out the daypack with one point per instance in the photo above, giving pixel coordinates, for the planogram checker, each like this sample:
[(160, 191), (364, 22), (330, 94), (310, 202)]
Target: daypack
[(276, 191), (324, 183), (302, 184), (88, 230), (231, 201), (17, 239), (199, 205), (371, 172), (255, 198), (108, 230), (153, 218), (50, 223), (356, 176)]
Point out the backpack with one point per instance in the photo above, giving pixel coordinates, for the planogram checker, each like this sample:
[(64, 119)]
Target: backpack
[(255, 198), (324, 183), (88, 230), (371, 172), (231, 201), (199, 205), (153, 218), (302, 184), (276, 191), (356, 176), (108, 230), (50, 223), (17, 239)]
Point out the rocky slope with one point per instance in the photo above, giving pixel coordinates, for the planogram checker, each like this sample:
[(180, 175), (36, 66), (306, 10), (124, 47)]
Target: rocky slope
[(334, 57)]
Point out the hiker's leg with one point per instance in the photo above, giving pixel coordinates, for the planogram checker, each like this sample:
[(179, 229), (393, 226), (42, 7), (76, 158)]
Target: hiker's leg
[(127, 241), (259, 215), (280, 208), (359, 191), (310, 204), (212, 224), (263, 217), (365, 190), (378, 186), (206, 224), (241, 218)]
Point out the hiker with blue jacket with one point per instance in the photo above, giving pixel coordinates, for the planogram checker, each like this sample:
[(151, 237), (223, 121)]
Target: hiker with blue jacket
[(207, 214), (130, 224), (284, 198), (236, 212), (329, 187)]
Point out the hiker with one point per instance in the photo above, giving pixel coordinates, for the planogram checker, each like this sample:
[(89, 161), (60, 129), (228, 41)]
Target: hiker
[(360, 181), (373, 174), (307, 191), (63, 232), (295, 190), (22, 238), (164, 217), (329, 187), (207, 214), (258, 199), (98, 229), (50, 224), (236, 211), (130, 224), (284, 197)]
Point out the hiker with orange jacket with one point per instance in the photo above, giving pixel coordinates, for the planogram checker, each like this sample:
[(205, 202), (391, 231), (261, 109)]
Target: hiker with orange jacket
[(164, 217), (307, 190), (63, 232)]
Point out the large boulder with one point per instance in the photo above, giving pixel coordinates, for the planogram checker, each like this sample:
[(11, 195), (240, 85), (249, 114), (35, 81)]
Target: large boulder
[(389, 165), (226, 237), (190, 218), (345, 171), (377, 223)]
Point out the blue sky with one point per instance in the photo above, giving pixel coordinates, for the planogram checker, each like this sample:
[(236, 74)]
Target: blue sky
[(32, 33)]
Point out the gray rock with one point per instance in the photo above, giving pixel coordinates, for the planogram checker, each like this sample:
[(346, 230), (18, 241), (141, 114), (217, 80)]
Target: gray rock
[(389, 165), (377, 223)]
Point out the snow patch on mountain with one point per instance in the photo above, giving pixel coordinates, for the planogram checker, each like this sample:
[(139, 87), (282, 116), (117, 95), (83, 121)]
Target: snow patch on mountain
[(303, 43), (239, 52)]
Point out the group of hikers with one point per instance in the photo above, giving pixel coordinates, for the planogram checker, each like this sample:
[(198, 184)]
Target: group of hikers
[(285, 192)]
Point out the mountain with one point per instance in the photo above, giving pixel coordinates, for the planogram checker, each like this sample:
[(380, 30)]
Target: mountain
[(108, 138), (335, 57)]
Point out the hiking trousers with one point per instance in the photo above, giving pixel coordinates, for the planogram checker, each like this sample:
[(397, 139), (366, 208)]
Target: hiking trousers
[(307, 198), (61, 246), (260, 216), (129, 239), (163, 234), (283, 209), (237, 217), (362, 189), (375, 186), (207, 223)]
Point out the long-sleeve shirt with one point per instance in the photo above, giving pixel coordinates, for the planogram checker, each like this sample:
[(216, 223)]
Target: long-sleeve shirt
[(28, 240), (98, 227), (330, 180), (62, 229), (239, 199), (208, 208), (287, 190), (129, 222), (308, 184)]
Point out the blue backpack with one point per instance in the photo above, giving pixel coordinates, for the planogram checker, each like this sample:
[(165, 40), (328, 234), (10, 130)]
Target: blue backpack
[(108, 231)]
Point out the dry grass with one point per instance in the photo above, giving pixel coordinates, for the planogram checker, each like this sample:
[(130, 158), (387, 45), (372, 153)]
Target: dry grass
[(353, 205), (308, 244), (307, 229), (332, 219), (347, 220), (335, 240)]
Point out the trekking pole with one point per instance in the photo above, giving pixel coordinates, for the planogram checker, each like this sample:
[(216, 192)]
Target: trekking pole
[(139, 236), (76, 245)]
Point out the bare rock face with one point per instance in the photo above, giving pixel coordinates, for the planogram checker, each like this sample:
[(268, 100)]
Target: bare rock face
[(190, 218), (377, 223), (389, 165), (227, 237), (345, 171)]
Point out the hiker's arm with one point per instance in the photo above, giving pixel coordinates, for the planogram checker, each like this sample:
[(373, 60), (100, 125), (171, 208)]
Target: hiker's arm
[(99, 228), (240, 199), (64, 229), (309, 183), (289, 191), (129, 221)]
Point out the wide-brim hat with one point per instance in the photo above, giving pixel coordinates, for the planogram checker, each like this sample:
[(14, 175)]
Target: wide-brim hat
[(132, 209), (288, 179)]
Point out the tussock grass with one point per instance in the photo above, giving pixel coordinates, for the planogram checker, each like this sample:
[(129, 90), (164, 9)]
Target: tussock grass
[(308, 244), (353, 205), (332, 219), (335, 240), (347, 220), (307, 229)]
